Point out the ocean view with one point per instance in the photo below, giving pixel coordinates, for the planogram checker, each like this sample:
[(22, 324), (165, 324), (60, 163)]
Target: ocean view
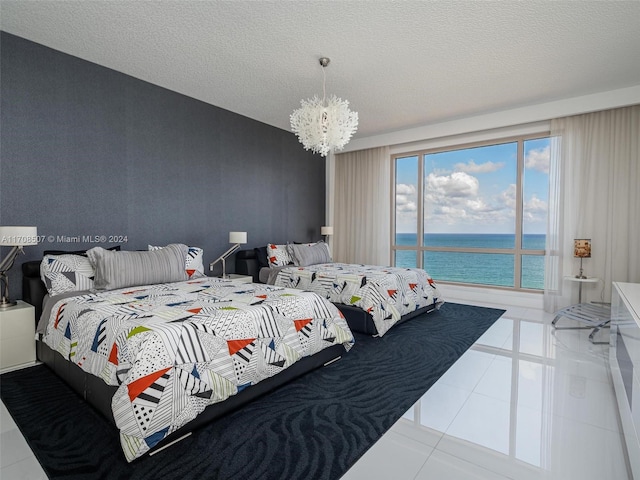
[(480, 268)]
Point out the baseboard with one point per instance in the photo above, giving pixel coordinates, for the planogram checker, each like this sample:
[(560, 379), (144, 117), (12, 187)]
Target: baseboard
[(460, 293)]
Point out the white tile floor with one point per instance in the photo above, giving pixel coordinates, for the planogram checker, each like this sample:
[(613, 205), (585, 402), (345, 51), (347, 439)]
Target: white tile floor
[(525, 402)]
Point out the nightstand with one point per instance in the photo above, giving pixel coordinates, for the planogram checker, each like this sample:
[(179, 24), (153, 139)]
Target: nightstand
[(17, 335), (240, 278)]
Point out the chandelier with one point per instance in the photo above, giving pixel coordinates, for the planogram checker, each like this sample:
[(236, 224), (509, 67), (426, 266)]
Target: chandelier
[(324, 125)]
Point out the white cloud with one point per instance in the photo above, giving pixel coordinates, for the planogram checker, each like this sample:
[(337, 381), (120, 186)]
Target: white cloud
[(406, 207), (472, 167), (535, 210), (477, 205), (406, 198), (535, 205), (404, 189), (456, 198), (508, 197), (458, 184), (448, 214), (538, 159)]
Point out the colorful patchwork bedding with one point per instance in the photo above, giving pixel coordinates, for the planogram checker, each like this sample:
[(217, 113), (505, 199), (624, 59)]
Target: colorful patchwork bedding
[(172, 349), (387, 293)]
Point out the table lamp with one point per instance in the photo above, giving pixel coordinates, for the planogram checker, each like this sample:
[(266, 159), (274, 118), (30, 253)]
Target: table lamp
[(326, 231), (17, 238), (581, 249), (237, 238)]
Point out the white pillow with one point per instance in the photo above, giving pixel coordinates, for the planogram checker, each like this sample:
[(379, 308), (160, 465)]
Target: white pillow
[(278, 255)]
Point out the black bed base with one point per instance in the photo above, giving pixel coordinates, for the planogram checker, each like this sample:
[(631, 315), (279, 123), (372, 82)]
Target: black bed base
[(362, 322), (98, 394)]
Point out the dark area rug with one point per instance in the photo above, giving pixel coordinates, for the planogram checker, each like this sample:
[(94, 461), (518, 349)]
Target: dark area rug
[(315, 427)]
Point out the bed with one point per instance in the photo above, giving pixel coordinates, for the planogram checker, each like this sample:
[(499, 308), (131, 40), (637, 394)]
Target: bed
[(160, 358), (372, 298)]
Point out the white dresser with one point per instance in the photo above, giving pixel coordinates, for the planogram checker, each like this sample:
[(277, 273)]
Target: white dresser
[(624, 360)]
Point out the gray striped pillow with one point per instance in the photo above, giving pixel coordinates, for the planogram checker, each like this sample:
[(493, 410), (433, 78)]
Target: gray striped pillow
[(305, 255), (129, 269)]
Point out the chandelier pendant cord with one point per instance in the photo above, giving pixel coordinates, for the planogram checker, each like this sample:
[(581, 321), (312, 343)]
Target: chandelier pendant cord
[(324, 87)]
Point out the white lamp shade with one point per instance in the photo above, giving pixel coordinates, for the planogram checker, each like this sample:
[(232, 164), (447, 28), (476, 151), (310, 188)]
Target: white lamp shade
[(237, 237), (326, 230), (18, 236)]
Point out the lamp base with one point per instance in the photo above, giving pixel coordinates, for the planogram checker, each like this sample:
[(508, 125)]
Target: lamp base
[(7, 304), (581, 276)]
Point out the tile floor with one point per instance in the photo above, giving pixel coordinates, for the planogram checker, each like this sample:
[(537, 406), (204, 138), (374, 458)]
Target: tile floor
[(525, 402)]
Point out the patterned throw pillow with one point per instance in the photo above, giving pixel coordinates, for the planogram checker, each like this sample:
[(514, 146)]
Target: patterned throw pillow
[(278, 255), (66, 273), (194, 263)]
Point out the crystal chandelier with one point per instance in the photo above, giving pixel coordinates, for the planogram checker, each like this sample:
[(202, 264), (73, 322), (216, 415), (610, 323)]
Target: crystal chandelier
[(324, 125)]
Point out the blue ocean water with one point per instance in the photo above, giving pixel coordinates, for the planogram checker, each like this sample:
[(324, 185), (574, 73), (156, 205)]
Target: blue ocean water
[(479, 268)]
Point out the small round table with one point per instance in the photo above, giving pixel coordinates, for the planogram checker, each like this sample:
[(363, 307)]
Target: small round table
[(595, 315), (581, 282)]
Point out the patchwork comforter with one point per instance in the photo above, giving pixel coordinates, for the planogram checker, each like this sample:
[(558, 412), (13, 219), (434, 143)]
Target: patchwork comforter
[(172, 349), (387, 293)]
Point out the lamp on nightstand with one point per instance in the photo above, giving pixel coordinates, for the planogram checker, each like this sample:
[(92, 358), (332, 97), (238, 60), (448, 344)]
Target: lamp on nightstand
[(237, 238), (326, 231), (581, 249), (17, 238)]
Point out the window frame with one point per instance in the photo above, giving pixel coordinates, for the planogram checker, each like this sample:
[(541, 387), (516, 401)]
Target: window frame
[(518, 252)]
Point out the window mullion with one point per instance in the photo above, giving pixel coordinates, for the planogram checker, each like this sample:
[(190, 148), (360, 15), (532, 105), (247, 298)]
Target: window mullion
[(517, 257), (420, 205)]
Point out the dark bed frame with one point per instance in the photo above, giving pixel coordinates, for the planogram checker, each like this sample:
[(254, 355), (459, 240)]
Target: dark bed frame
[(98, 394), (247, 263)]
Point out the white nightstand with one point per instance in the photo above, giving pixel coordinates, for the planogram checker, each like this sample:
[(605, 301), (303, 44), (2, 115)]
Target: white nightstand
[(17, 335), (240, 278)]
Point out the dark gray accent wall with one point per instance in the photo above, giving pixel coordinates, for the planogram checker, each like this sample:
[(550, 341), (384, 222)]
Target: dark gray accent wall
[(86, 150)]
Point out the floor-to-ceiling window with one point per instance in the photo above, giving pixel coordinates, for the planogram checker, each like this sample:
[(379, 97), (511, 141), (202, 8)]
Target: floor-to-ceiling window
[(474, 214)]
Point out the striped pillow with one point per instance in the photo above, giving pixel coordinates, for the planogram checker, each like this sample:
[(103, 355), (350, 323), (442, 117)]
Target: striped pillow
[(305, 255), (194, 263), (129, 269)]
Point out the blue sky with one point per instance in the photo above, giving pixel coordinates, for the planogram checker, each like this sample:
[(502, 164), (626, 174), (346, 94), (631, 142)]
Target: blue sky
[(473, 190)]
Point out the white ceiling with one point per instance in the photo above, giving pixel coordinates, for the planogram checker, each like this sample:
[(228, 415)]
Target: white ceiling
[(401, 64)]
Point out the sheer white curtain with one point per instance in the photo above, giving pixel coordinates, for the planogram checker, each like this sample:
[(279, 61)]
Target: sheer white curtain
[(594, 193), (362, 218)]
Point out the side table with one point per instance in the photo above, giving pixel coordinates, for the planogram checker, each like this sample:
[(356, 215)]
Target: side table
[(17, 335), (240, 278), (581, 281), (595, 315)]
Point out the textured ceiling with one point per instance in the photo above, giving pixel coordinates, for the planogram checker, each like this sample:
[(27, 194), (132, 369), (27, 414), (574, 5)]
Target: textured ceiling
[(400, 64)]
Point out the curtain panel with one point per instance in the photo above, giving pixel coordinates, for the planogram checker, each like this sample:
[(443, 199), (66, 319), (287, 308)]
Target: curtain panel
[(362, 218), (594, 193)]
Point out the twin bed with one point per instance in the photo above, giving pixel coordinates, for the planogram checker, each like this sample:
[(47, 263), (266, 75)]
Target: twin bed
[(160, 349), (372, 298)]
